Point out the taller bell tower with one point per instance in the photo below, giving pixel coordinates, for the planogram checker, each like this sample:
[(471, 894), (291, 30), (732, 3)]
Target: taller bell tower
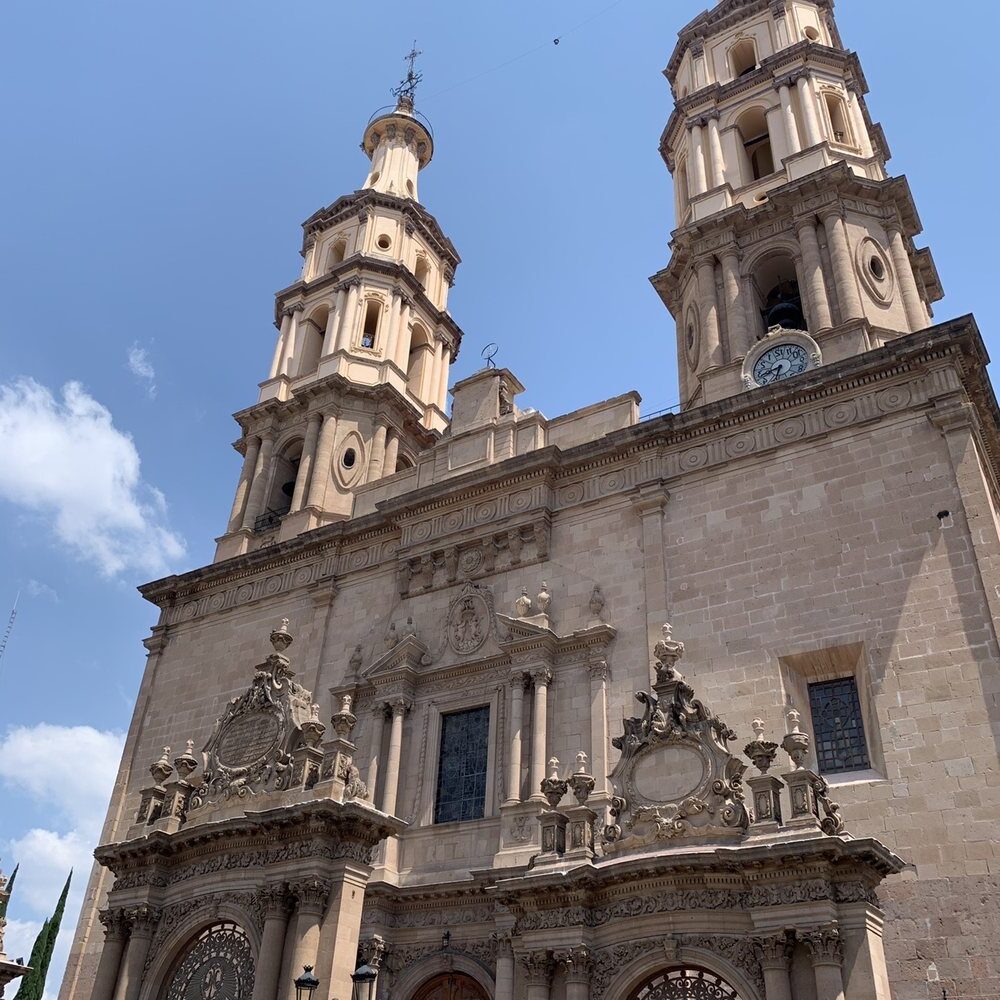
[(793, 245), (358, 382)]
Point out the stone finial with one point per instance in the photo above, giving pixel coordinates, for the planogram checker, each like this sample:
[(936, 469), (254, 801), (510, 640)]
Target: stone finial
[(597, 603), (522, 606), (759, 750), (554, 768), (314, 712), (580, 782), (390, 637), (553, 788), (795, 743), (186, 762), (581, 763), (346, 702), (281, 638), (408, 629), (345, 720), (544, 599), (666, 653), (758, 729), (162, 768)]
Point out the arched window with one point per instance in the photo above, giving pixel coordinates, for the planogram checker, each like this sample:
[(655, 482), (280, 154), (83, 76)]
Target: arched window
[(337, 253), (284, 472), (218, 963), (743, 57), (778, 298), (373, 312), (422, 271), (686, 982), (310, 341), (757, 160), (840, 125), (402, 462)]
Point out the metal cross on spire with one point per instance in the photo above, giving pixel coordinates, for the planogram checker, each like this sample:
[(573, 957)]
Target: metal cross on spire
[(408, 86)]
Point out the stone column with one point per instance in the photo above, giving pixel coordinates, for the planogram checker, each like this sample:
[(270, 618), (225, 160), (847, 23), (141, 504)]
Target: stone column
[(542, 677), (827, 958), (399, 706), (378, 735), (143, 920), (812, 269), (442, 390), (333, 323), (843, 267), (403, 338), (858, 120), (393, 337), (599, 722), (709, 307), (537, 968), (517, 679), (391, 454), (505, 969), (346, 327), (715, 156), (255, 499), (311, 895), (698, 174), (739, 336), (291, 341), (286, 318), (579, 965), (272, 945), (243, 486), (115, 934), (809, 113), (916, 313), (774, 962), (779, 143), (306, 461), (788, 116), (321, 467), (377, 460)]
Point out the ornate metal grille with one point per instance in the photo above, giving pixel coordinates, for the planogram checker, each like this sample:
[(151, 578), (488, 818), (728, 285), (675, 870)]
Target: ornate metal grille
[(461, 784), (837, 723), (687, 984), (218, 965)]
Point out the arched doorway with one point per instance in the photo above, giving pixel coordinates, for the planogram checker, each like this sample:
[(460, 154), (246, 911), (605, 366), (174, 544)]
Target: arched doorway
[(451, 986), (686, 982), (218, 964)]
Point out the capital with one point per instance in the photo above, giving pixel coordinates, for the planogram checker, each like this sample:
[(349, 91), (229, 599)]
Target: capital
[(310, 894), (400, 706), (599, 668), (537, 967), (578, 963), (115, 921), (775, 951), (541, 676), (274, 899), (824, 946), (143, 919)]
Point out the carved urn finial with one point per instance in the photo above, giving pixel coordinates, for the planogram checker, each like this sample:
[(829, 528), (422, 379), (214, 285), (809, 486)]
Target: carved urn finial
[(344, 720), (544, 599), (581, 783), (759, 750), (666, 653), (522, 606), (281, 638), (597, 603), (312, 729), (162, 768), (186, 762), (795, 743), (553, 788)]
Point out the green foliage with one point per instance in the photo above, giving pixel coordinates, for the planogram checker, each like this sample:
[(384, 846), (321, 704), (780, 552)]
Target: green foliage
[(33, 983)]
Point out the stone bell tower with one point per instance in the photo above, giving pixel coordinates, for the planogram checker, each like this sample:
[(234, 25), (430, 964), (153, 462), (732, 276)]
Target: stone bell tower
[(358, 384), (794, 246)]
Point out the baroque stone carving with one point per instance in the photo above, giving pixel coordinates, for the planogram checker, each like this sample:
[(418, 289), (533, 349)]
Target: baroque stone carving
[(676, 778), (469, 619)]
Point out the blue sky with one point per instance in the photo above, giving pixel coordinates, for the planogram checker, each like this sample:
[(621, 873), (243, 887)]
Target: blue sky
[(159, 159)]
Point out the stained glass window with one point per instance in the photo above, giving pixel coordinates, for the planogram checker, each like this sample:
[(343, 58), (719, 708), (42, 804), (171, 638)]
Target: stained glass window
[(838, 726), (461, 783), (218, 965)]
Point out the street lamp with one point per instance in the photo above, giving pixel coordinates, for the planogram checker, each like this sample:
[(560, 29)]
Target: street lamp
[(363, 978), (306, 985)]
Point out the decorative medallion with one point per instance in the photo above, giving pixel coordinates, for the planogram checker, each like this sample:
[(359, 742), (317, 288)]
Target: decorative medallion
[(468, 622), (218, 966)]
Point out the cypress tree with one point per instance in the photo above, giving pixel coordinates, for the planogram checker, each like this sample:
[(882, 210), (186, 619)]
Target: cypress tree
[(33, 983)]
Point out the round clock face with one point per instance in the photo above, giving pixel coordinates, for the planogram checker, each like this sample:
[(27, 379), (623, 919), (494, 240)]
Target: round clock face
[(780, 361)]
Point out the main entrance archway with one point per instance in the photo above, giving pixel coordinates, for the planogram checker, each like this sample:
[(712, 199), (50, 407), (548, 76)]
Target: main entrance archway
[(686, 983), (451, 986), (217, 965)]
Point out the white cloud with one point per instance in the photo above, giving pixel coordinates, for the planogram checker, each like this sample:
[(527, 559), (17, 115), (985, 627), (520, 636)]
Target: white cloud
[(64, 459), (36, 588), (18, 937), (30, 757), (142, 368)]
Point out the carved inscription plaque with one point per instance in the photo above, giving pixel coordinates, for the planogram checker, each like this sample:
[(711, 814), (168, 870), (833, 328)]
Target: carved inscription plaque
[(669, 775), (248, 738)]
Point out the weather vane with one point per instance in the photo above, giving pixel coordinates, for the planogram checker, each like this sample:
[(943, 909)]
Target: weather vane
[(408, 86), (489, 353)]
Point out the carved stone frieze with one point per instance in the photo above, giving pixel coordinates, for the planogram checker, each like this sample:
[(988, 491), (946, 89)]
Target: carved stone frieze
[(436, 916)]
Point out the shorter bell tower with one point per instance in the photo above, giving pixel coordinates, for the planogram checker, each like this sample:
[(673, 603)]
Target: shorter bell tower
[(358, 383), (794, 246)]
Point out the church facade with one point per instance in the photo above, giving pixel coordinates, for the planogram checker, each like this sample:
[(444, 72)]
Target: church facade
[(594, 707)]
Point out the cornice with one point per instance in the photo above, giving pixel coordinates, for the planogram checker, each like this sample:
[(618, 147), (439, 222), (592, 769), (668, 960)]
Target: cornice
[(411, 210)]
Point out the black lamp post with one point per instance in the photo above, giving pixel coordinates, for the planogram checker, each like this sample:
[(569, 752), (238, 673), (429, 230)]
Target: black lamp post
[(306, 985), (363, 978)]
